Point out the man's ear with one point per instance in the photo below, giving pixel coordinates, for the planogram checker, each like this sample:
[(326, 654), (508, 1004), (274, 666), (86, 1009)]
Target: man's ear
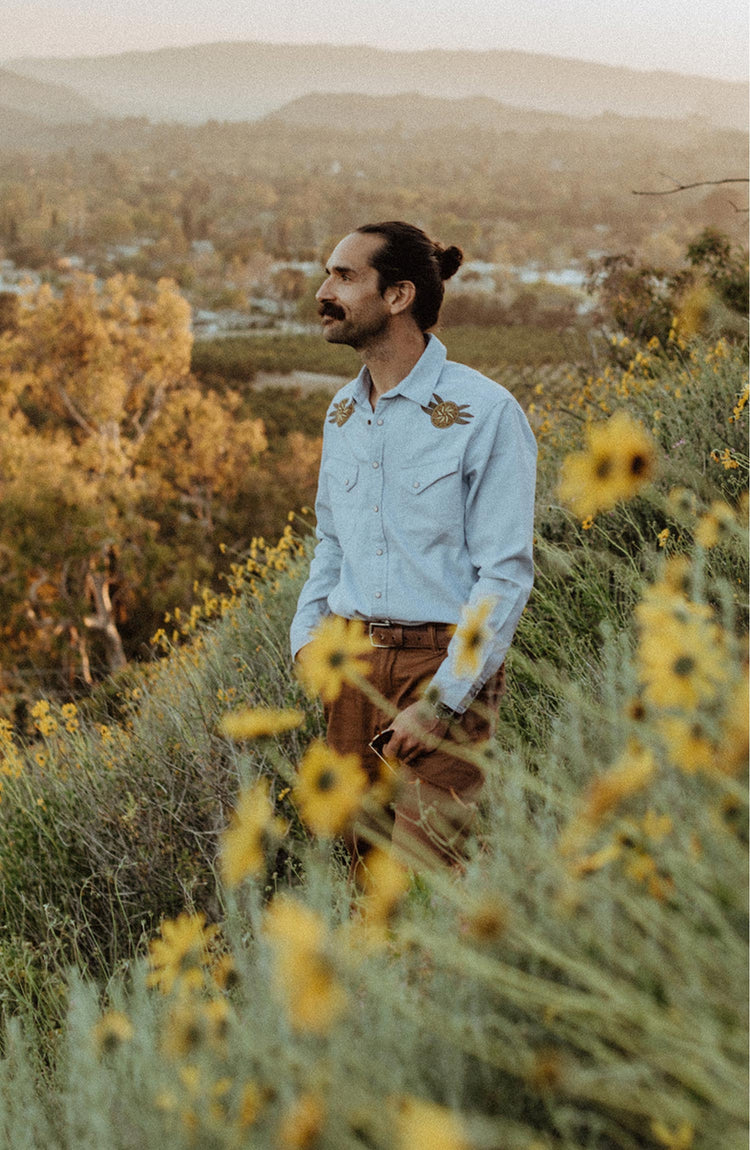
[(400, 296)]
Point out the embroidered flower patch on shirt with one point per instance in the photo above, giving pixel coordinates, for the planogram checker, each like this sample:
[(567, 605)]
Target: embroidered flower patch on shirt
[(444, 413), (341, 412)]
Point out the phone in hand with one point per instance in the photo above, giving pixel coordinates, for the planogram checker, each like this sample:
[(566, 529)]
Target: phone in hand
[(379, 742)]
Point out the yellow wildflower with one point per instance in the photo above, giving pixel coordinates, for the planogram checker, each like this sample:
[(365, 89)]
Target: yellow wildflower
[(471, 637), (655, 826), (740, 404), (687, 744), (44, 722), (676, 575), (384, 882), (631, 773), (224, 971), (302, 1124), (679, 1139), (726, 459), (252, 827), (663, 536), (334, 655), (252, 1102), (11, 763), (259, 722), (304, 976), (427, 1126), (619, 460), (715, 526), (192, 1024), (681, 654), (177, 956), (112, 1029), (591, 863), (329, 789)]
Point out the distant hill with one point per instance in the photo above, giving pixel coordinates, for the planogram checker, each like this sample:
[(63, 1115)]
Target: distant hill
[(53, 103), (18, 129), (248, 80), (412, 113)]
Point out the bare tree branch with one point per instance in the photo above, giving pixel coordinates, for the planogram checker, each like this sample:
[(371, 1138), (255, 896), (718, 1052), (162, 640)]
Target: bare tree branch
[(698, 184)]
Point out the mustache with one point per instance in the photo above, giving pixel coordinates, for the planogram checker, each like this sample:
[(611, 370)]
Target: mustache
[(330, 309)]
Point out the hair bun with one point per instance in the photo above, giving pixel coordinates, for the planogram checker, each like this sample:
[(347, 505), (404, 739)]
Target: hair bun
[(449, 261)]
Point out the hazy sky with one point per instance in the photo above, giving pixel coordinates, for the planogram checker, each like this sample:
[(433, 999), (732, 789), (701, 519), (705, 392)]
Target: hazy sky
[(706, 37)]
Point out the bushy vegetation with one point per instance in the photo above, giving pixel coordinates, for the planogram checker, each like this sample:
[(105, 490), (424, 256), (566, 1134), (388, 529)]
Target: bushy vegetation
[(580, 983), (130, 196)]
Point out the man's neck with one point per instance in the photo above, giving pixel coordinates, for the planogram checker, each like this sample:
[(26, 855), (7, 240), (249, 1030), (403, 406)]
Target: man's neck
[(389, 361)]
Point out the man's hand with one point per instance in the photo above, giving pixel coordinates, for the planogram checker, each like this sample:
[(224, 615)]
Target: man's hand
[(298, 658), (415, 730)]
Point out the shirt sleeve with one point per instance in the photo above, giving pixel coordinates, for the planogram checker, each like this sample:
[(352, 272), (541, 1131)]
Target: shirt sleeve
[(325, 569), (499, 528)]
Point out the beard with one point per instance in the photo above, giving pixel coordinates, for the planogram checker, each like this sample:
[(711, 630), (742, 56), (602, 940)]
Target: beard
[(356, 333)]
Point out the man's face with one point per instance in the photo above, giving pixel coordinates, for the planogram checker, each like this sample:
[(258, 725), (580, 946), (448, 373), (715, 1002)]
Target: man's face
[(350, 305)]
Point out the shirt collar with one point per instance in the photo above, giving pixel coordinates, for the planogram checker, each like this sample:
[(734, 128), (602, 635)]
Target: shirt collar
[(418, 385)]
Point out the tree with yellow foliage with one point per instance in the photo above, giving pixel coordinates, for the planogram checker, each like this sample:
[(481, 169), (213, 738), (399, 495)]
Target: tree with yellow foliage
[(106, 440)]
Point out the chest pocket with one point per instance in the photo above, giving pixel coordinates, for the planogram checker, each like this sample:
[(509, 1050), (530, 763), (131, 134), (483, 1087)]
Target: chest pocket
[(341, 477), (421, 477), (430, 503)]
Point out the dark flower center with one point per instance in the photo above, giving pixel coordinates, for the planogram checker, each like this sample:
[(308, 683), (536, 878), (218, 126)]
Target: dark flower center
[(326, 780), (684, 665), (336, 658), (603, 468)]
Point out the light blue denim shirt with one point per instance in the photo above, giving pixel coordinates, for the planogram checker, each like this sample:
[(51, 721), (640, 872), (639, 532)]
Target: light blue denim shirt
[(425, 505)]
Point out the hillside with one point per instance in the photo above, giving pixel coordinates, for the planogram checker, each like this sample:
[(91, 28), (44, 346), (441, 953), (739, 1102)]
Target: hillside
[(248, 80), (184, 962), (18, 128), (51, 102), (410, 113)]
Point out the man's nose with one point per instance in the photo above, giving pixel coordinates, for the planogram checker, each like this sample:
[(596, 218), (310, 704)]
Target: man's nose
[(325, 290)]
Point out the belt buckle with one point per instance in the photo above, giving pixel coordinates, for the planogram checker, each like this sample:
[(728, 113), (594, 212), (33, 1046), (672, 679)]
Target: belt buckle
[(378, 646)]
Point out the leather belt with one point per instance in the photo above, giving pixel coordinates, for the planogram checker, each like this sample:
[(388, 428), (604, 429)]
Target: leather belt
[(429, 636)]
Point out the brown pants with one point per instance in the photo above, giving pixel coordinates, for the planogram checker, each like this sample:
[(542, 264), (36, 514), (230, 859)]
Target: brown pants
[(436, 795)]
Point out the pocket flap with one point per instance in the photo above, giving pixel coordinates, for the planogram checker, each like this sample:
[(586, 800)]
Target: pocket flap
[(422, 475), (343, 473)]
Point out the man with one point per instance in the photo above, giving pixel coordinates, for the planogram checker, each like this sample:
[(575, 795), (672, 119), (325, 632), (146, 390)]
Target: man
[(425, 505)]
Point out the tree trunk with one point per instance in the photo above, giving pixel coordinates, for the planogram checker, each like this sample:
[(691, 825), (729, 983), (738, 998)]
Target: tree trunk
[(97, 585)]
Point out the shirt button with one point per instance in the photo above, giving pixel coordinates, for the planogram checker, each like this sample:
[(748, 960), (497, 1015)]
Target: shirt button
[(376, 465), (415, 484), (378, 595), (380, 423), (379, 551), (376, 508)]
